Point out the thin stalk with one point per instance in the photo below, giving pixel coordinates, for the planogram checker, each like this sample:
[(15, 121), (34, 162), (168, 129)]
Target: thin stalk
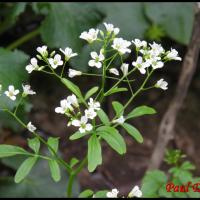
[(73, 175), (23, 39), (68, 168)]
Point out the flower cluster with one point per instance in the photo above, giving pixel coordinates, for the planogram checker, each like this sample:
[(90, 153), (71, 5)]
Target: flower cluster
[(12, 92), (68, 106), (135, 192)]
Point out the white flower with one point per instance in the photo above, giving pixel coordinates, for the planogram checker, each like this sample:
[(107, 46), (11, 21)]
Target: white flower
[(68, 53), (31, 127), (82, 123), (155, 63), (95, 105), (43, 51), (162, 84), (56, 61), (112, 194), (114, 71), (135, 192), (73, 100), (141, 65), (120, 120), (110, 28), (173, 55), (90, 113), (121, 45), (11, 93), (124, 68), (73, 72), (27, 90), (90, 36), (157, 49), (96, 61), (32, 66), (65, 106), (138, 43)]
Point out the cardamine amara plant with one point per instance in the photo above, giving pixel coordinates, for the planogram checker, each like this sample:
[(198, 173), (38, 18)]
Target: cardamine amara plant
[(84, 111)]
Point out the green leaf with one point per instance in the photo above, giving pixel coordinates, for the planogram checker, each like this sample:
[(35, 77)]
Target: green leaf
[(101, 194), (10, 150), (115, 90), (62, 26), (118, 107), (24, 169), (38, 184), (187, 166), (113, 138), (91, 92), (12, 70), (103, 117), (78, 135), (73, 88), (173, 16), (86, 193), (12, 12), (119, 12), (141, 110), (53, 143), (34, 144), (133, 132), (152, 182), (55, 170), (94, 153), (73, 162)]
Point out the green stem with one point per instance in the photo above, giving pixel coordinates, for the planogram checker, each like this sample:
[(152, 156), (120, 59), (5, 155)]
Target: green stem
[(68, 168), (109, 77), (73, 175), (15, 112), (23, 39), (120, 80)]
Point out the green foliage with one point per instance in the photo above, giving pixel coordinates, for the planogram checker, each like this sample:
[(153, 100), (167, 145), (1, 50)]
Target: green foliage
[(91, 92), (62, 26), (37, 184), (86, 193), (10, 150), (73, 162), (34, 144), (94, 153), (9, 14), (173, 156), (118, 107), (173, 16), (115, 90), (53, 143), (55, 170), (12, 66), (103, 117), (133, 132), (113, 138), (155, 33), (156, 183), (140, 111), (73, 88), (24, 169), (77, 135)]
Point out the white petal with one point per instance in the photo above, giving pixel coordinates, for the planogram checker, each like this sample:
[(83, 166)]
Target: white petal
[(91, 63), (94, 55)]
